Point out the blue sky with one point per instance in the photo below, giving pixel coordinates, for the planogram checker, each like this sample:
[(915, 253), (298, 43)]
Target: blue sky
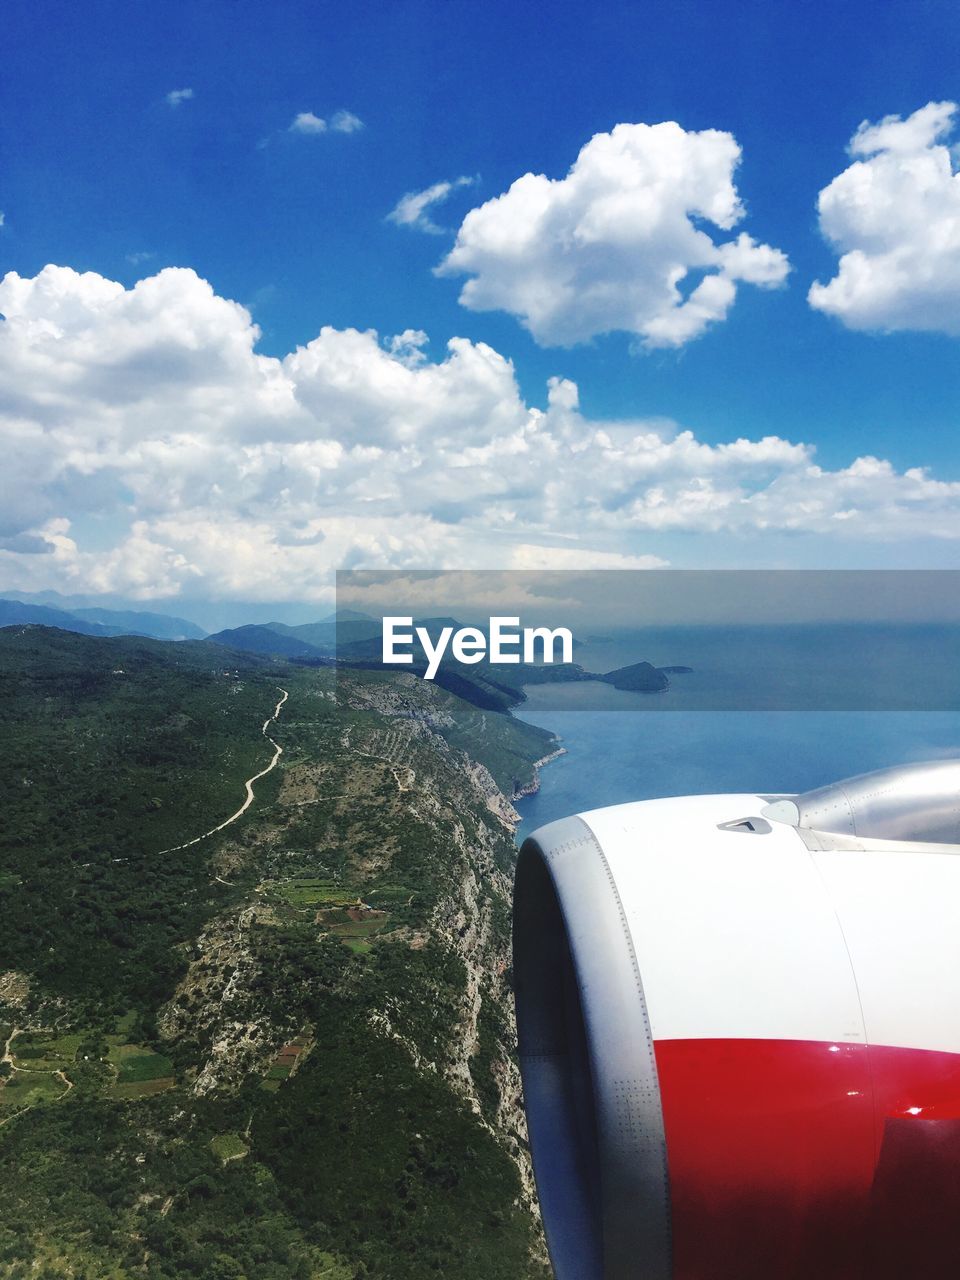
[(102, 173)]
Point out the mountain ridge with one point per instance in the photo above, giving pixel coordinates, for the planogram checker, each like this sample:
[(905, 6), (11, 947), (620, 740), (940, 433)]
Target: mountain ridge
[(97, 621)]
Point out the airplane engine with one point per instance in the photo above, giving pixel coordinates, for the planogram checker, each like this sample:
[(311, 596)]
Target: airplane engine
[(739, 1033)]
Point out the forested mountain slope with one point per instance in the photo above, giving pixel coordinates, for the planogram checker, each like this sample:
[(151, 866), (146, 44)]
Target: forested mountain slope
[(282, 1051)]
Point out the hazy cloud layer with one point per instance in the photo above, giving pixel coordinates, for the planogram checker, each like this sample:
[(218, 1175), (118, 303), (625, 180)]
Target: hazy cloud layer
[(619, 243), (894, 218), (148, 449)]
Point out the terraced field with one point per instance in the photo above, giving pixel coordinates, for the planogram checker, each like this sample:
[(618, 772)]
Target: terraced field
[(288, 1060)]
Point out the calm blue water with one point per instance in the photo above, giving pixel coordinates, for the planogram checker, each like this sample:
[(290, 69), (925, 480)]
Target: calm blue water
[(634, 747), (823, 666), (612, 758)]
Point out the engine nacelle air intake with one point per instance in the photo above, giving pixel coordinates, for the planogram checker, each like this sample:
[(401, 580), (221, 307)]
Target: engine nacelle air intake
[(739, 1030)]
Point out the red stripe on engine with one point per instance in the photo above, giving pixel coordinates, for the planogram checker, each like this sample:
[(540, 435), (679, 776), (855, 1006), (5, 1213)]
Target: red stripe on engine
[(773, 1151)]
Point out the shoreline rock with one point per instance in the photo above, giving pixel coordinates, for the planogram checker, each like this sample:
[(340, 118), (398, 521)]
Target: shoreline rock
[(531, 788)]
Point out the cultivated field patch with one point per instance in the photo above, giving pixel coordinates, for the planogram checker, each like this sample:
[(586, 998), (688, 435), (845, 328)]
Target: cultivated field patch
[(353, 915), (28, 1088), (44, 1050), (140, 1072), (228, 1146), (288, 1060)]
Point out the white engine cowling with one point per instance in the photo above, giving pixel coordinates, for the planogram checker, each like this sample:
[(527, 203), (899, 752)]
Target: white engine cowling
[(740, 1033)]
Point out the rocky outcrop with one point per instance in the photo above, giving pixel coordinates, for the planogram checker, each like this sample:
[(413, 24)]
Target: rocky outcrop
[(531, 788)]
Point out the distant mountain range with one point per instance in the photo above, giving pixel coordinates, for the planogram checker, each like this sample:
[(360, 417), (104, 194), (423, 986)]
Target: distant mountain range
[(99, 622), (355, 640), (342, 631), (277, 639), (351, 638)]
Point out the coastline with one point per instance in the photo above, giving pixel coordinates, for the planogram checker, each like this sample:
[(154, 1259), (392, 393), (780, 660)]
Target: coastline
[(531, 788)]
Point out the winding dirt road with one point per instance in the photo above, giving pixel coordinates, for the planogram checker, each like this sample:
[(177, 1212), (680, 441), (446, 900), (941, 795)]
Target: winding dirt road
[(7, 1055), (277, 753)]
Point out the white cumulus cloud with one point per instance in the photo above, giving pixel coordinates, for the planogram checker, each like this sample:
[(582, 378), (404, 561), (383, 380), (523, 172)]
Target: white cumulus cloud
[(176, 96), (150, 450), (345, 122), (411, 210), (340, 122), (894, 218), (620, 243), (307, 122)]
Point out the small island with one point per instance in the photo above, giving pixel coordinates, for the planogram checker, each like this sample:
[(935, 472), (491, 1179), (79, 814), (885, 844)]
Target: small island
[(638, 677)]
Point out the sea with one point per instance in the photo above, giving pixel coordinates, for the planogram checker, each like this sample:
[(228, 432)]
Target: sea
[(768, 710)]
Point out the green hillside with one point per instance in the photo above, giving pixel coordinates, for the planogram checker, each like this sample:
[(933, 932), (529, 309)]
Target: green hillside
[(259, 1055), (112, 750)]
